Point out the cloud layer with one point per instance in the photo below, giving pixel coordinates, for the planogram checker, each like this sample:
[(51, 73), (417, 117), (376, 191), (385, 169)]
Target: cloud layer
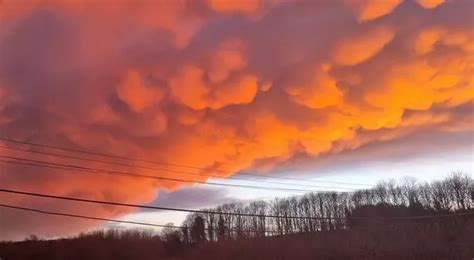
[(222, 84)]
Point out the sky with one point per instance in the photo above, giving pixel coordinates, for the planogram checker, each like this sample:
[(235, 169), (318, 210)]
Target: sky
[(352, 91)]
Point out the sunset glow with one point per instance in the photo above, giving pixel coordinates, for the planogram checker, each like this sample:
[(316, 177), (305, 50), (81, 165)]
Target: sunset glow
[(261, 86)]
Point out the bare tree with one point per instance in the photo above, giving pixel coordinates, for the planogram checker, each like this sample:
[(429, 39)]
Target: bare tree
[(460, 184), (409, 191), (381, 192), (324, 211), (441, 196), (198, 228), (395, 192)]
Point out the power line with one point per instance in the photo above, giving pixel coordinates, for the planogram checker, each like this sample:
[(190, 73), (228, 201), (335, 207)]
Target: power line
[(44, 164), (161, 170), (159, 225), (84, 217), (42, 195), (115, 220), (26, 162), (58, 166), (166, 163)]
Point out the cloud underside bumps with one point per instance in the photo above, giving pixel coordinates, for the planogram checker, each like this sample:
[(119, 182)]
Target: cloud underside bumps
[(227, 84)]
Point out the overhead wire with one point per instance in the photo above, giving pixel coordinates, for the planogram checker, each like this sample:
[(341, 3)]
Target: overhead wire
[(163, 170), (110, 203), (10, 140), (46, 212), (82, 216), (70, 167), (68, 198)]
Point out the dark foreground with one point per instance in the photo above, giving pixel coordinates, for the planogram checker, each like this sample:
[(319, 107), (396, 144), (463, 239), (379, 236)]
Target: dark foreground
[(415, 240)]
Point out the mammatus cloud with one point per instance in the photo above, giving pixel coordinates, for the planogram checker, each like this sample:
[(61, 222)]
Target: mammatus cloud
[(367, 10), (430, 3), (221, 84)]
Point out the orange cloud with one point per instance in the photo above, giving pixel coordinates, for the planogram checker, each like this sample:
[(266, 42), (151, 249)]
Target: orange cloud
[(371, 9), (219, 83), (322, 92), (234, 5), (418, 85), (429, 3), (199, 83), (427, 40), (136, 94), (357, 49), (228, 58), (189, 88)]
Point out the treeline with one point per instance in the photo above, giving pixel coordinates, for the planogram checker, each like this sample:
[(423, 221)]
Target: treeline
[(386, 203), (413, 240), (99, 244), (378, 223)]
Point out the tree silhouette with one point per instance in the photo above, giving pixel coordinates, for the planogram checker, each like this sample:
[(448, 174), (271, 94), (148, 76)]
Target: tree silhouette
[(221, 228), (198, 228)]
